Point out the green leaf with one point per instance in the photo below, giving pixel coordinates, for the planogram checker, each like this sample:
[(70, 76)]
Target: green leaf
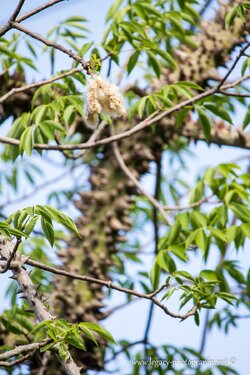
[(27, 140), (184, 274), (246, 120), (76, 19), (191, 238), (141, 106), (30, 225), (197, 318), (99, 329), (236, 275), (113, 9), (48, 231), (217, 233), (199, 217), (67, 114), (47, 131), (167, 57), (155, 275), (219, 111), (132, 61), (245, 229), (59, 217), (85, 48), (241, 211), (165, 262), (54, 125), (150, 9), (205, 123), (10, 230), (209, 275), (201, 240), (174, 233), (179, 251), (74, 338), (63, 351), (231, 233), (230, 16), (87, 332), (47, 347), (31, 48), (192, 85), (39, 113), (154, 62), (41, 325)]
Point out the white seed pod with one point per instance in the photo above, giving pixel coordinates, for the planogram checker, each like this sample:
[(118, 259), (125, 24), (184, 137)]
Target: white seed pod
[(102, 97), (91, 119)]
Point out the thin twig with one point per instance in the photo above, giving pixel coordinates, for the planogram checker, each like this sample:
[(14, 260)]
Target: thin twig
[(191, 205), (125, 347), (23, 349), (37, 10), (92, 138), (17, 90), (234, 94), (130, 175), (205, 7), (108, 284), (49, 43), (240, 54), (17, 361)]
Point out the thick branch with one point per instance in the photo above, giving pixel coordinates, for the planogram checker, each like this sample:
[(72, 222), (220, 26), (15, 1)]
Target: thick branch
[(30, 293), (236, 139), (22, 349)]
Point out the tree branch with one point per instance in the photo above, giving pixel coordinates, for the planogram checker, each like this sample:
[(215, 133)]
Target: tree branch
[(240, 54), (130, 175), (49, 43), (17, 361), (8, 25), (191, 205), (110, 285), (235, 140), (37, 10), (11, 257), (17, 90), (30, 293), (23, 349)]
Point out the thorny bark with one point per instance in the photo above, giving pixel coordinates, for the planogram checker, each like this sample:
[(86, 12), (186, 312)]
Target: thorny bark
[(21, 275), (105, 209)]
